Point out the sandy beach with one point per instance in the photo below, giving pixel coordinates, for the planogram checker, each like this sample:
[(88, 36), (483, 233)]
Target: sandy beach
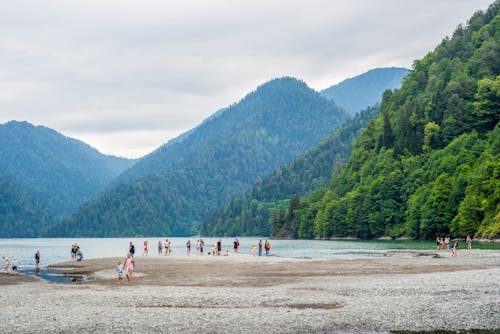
[(245, 294)]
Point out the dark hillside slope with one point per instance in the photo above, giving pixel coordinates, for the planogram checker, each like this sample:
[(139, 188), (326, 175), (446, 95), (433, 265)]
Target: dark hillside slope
[(60, 172), (169, 191), (430, 164)]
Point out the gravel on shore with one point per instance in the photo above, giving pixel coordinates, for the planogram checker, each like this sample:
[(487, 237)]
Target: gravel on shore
[(369, 296)]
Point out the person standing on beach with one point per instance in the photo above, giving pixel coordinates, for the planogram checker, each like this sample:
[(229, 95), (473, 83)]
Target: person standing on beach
[(5, 264), (468, 242), (454, 248), (37, 260), (254, 250), (160, 248), (219, 247), (146, 248), (267, 246), (131, 249), (129, 265), (260, 247), (202, 245), (119, 271), (188, 247), (235, 245), (15, 265)]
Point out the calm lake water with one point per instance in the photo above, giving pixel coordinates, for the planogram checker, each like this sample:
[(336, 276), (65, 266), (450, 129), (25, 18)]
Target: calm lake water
[(58, 250)]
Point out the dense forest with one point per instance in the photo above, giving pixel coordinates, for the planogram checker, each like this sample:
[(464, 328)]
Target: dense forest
[(21, 215), (250, 214), (169, 191), (365, 90), (429, 164), (59, 172)]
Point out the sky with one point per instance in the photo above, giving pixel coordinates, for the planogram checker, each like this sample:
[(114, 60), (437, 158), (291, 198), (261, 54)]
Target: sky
[(127, 76)]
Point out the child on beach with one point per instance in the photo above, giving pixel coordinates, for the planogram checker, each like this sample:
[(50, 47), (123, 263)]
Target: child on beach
[(119, 271), (129, 265), (146, 248), (254, 250), (15, 265)]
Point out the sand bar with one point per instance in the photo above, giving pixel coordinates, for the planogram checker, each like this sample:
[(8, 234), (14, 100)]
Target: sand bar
[(246, 294)]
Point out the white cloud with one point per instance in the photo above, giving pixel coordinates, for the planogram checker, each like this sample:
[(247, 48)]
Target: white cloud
[(126, 76)]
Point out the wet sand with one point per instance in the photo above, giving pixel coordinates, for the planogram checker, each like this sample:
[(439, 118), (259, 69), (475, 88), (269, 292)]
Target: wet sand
[(246, 294)]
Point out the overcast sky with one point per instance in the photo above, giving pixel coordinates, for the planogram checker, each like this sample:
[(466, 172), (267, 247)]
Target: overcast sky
[(127, 76)]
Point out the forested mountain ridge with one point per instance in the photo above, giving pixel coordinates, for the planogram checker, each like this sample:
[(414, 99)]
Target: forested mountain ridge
[(21, 215), (430, 164), (365, 90), (169, 191), (60, 172), (250, 214)]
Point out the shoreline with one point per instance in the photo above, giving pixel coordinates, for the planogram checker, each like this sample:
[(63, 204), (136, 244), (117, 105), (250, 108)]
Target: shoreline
[(243, 293)]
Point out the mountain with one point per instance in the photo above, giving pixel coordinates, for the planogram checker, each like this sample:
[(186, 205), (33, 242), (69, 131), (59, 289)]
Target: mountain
[(21, 215), (430, 164), (169, 191), (365, 90), (59, 172), (250, 214)]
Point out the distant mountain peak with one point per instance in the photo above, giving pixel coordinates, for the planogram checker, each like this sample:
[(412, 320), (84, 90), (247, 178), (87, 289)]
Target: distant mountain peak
[(365, 90)]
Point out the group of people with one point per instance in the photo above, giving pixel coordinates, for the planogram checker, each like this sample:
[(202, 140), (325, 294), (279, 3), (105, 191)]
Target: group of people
[(76, 253), (447, 244), (14, 264), (126, 267), (267, 248), (6, 264)]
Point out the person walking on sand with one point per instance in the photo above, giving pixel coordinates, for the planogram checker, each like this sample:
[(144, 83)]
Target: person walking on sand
[(188, 247), (119, 271), (146, 248), (37, 260), (129, 266), (267, 246), (468, 242), (160, 248), (5, 264), (260, 247), (454, 248), (131, 249)]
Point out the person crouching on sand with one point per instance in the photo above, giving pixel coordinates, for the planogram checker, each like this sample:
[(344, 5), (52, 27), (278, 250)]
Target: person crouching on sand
[(129, 265), (119, 270)]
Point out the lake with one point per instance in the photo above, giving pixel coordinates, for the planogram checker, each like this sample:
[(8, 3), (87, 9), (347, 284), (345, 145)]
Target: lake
[(58, 249)]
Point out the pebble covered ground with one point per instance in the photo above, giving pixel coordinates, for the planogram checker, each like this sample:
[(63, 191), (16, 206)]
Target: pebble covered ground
[(461, 299)]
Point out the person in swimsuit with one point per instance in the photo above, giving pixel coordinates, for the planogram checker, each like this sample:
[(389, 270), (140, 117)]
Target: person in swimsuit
[(468, 242), (146, 248), (188, 247), (129, 266)]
